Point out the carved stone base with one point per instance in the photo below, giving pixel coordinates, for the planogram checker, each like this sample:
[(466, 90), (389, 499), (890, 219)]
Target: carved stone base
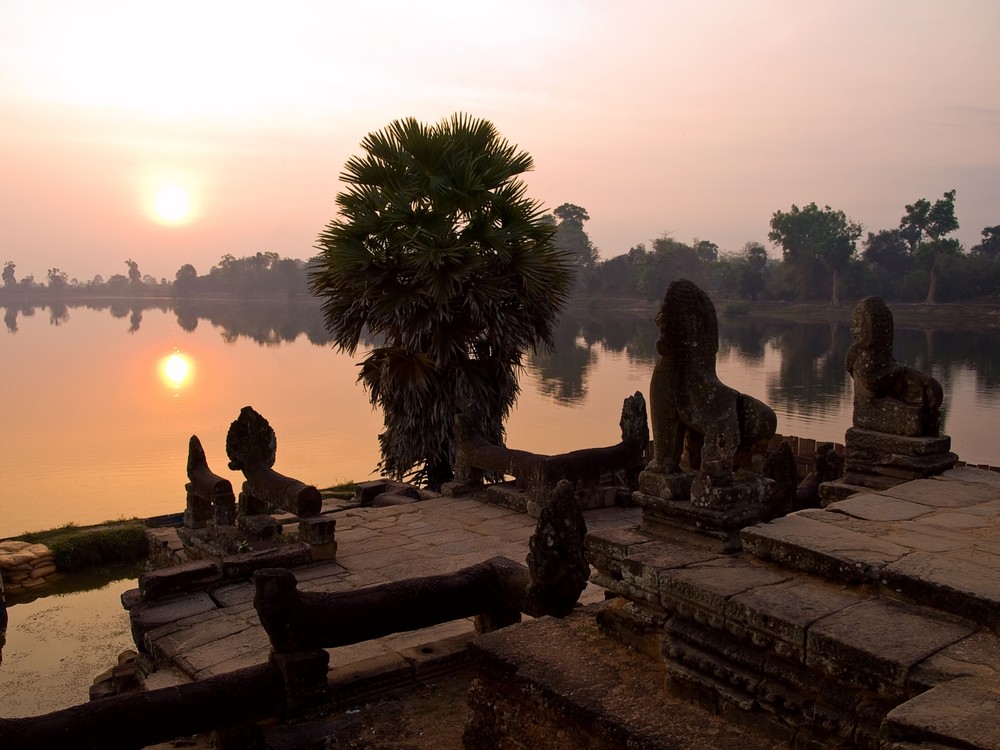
[(688, 508), (878, 461)]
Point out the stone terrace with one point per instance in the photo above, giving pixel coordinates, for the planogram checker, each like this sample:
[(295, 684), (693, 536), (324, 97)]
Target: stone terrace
[(206, 633), (871, 623)]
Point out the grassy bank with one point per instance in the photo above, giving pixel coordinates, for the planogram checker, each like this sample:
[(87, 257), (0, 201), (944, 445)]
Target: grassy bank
[(80, 547)]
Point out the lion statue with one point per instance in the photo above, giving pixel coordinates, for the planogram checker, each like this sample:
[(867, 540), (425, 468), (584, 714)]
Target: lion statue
[(721, 429)]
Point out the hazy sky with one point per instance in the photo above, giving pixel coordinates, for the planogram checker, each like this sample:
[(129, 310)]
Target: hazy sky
[(698, 119)]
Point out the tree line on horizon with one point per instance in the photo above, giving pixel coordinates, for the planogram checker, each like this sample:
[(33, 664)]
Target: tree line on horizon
[(824, 256)]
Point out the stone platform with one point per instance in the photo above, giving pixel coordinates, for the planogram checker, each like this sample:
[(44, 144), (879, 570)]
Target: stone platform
[(190, 636), (872, 623)]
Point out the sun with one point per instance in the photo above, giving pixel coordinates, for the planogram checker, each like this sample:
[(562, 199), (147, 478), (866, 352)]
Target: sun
[(172, 204)]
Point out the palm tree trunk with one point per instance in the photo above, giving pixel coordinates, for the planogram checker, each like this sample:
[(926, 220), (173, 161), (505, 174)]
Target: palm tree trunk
[(835, 294)]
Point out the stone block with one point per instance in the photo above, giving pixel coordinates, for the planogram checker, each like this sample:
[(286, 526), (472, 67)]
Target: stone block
[(324, 552), (959, 713), (823, 548), (779, 616), (860, 441), (156, 584), (365, 492), (962, 581), (317, 529), (878, 508), (708, 586), (148, 616), (875, 643)]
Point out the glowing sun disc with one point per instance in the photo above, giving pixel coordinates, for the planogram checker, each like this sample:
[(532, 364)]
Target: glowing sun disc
[(172, 204), (176, 369)]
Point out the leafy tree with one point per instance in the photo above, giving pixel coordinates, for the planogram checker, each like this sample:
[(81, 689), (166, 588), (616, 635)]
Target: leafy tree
[(887, 252), (134, 276), (812, 238), (571, 238), (707, 251), (933, 221), (185, 280), (438, 253), (8, 274), (58, 280), (752, 279), (989, 247)]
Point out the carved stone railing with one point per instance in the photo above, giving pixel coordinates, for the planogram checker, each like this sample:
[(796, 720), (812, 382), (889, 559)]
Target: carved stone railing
[(537, 474)]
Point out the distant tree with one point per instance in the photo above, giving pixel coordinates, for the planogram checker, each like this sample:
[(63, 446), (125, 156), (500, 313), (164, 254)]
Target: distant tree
[(707, 251), (27, 282), (98, 280), (58, 280), (185, 280), (571, 238), (812, 238), (989, 247), (438, 252), (932, 221), (8, 275), (754, 257), (134, 276), (118, 283), (888, 254)]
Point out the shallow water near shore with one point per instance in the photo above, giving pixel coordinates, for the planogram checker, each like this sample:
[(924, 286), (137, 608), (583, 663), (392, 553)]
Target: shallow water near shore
[(57, 644)]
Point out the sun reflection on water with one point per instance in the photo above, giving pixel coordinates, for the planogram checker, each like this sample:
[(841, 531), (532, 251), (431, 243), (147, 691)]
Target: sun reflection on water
[(176, 370)]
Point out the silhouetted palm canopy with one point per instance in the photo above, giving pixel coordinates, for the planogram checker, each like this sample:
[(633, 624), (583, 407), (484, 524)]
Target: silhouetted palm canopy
[(439, 254)]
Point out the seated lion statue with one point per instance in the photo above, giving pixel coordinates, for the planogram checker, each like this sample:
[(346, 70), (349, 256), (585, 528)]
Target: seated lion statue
[(722, 429), (889, 397)]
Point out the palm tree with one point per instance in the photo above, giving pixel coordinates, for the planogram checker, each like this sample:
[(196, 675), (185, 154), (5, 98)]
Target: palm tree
[(439, 255)]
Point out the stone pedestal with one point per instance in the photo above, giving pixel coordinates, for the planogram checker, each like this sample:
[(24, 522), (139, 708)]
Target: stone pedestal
[(688, 507), (878, 461)]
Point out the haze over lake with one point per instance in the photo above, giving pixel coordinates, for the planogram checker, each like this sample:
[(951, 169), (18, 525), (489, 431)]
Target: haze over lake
[(96, 427)]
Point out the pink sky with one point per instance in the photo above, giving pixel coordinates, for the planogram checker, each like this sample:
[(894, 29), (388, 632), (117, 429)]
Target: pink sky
[(698, 119)]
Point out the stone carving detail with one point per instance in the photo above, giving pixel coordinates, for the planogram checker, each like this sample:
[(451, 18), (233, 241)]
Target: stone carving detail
[(252, 446), (889, 397), (536, 475), (559, 571), (709, 440), (896, 435), (209, 496)]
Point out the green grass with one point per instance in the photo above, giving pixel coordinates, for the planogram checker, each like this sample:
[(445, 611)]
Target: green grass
[(80, 547), (342, 491)]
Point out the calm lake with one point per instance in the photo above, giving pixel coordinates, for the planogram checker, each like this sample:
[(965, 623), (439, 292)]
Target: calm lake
[(96, 425)]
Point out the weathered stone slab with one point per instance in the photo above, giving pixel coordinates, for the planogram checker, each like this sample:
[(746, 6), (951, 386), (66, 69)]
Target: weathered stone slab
[(546, 684), (156, 584), (187, 639), (779, 616), (149, 615), (961, 713), (814, 546), (641, 571), (975, 656), (244, 647), (861, 442), (965, 582), (876, 643), (606, 549), (233, 594), (702, 590), (940, 494), (976, 476), (878, 508)]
